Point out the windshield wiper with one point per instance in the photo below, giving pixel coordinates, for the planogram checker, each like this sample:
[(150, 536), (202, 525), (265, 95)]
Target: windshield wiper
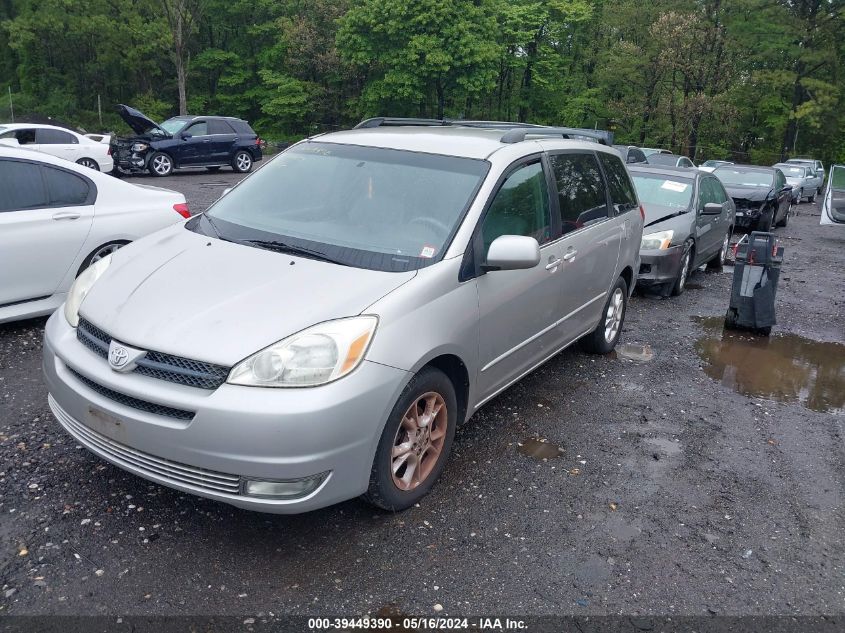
[(282, 247), (666, 217)]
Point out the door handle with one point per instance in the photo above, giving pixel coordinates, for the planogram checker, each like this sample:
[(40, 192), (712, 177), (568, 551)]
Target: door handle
[(569, 256), (553, 264), (67, 215)]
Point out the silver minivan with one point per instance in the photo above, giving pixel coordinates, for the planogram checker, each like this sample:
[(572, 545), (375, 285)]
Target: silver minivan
[(322, 329)]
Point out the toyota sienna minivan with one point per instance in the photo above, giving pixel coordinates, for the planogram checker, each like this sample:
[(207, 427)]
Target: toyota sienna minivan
[(322, 329)]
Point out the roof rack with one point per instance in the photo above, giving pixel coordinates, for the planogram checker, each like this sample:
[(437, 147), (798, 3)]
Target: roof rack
[(514, 132)]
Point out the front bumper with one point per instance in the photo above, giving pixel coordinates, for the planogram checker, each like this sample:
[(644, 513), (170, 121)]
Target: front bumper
[(236, 433), (659, 266)]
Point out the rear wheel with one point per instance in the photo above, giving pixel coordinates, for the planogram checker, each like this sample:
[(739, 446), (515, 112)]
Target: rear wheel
[(721, 257), (90, 163), (785, 219), (242, 162), (811, 198), (603, 339), (415, 442), (100, 252)]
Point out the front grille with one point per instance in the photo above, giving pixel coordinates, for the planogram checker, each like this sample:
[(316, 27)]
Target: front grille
[(183, 371), (130, 401), (156, 468)]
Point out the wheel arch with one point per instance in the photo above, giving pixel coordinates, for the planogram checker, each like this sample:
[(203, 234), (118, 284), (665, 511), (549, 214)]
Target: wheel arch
[(628, 275), (456, 370)]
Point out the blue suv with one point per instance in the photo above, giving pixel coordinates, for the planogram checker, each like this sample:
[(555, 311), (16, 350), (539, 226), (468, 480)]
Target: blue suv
[(184, 141)]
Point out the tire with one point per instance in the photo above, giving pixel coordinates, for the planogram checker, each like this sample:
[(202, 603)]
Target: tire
[(800, 196), (684, 270), (90, 163), (765, 226), (812, 199), (101, 251), (242, 162), (213, 169), (718, 260), (603, 339), (160, 164), (401, 489), (785, 219)]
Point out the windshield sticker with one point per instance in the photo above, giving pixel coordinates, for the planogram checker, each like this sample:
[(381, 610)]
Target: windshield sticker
[(427, 252), (672, 185)]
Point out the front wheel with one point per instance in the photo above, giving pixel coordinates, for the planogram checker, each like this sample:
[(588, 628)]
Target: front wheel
[(680, 283), (90, 163), (242, 162), (785, 219), (415, 442), (720, 258), (603, 339), (811, 199), (160, 164)]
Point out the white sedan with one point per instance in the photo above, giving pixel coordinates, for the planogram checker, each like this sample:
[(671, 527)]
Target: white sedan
[(58, 141), (57, 218)]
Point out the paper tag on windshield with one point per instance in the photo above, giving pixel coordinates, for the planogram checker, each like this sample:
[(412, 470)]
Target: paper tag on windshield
[(671, 185), (427, 252)]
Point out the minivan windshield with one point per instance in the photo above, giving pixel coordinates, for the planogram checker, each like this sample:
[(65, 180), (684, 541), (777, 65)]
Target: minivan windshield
[(745, 177), (368, 207)]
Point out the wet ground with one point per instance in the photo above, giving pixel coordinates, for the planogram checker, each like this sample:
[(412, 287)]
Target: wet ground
[(691, 472)]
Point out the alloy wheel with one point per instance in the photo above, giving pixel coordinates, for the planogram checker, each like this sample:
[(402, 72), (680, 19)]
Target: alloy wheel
[(104, 251), (162, 165), (89, 163), (726, 244), (682, 280), (613, 317), (243, 161), (419, 441)]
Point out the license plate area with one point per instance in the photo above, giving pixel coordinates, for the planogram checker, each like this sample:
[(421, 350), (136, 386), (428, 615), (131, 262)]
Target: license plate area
[(106, 424)]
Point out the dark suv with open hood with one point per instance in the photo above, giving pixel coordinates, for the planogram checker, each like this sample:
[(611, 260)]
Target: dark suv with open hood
[(184, 141), (762, 196)]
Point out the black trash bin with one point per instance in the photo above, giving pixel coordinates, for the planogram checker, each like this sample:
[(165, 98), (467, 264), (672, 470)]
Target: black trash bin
[(755, 282)]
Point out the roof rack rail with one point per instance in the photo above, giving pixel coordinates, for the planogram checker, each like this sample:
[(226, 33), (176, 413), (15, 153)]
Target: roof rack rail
[(382, 121), (514, 132), (517, 135)]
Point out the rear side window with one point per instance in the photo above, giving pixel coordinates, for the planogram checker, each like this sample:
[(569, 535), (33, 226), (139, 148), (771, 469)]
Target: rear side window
[(622, 193), (65, 189), (22, 186), (54, 137), (241, 127), (217, 126), (521, 207), (23, 136), (581, 192)]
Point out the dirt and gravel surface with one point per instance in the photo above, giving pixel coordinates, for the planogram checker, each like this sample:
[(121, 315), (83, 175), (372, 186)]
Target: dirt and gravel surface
[(673, 492)]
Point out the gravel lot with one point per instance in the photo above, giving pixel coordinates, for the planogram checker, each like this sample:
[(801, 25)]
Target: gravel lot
[(673, 493)]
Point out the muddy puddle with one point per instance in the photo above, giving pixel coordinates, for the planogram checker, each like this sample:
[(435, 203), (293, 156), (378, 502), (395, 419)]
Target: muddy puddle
[(782, 367), (632, 352), (539, 449)]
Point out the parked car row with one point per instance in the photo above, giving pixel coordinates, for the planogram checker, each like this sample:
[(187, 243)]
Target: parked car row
[(351, 303), (58, 142)]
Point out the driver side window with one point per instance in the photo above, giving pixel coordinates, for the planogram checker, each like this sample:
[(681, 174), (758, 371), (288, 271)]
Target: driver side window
[(520, 207), (198, 129)]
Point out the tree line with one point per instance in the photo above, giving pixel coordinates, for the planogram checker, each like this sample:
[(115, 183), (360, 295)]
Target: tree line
[(753, 80)]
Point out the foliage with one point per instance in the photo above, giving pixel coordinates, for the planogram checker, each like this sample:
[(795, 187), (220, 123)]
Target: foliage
[(746, 79)]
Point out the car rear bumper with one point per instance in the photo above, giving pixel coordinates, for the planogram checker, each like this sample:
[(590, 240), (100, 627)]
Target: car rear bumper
[(323, 434), (659, 267)]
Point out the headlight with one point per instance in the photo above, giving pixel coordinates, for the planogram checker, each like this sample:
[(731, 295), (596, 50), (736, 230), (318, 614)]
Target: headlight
[(315, 356), (79, 289), (657, 241), (139, 147)]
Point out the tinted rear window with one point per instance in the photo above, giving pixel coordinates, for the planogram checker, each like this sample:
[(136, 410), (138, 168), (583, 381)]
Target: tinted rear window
[(22, 186), (581, 192), (241, 127), (65, 189), (218, 126), (622, 192), (54, 137)]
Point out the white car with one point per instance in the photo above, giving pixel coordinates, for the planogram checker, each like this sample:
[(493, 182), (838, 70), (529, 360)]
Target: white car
[(60, 142), (833, 204), (56, 218), (100, 138)]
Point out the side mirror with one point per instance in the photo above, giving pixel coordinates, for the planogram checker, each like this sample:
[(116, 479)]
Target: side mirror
[(185, 136), (512, 252), (10, 142), (225, 191), (712, 208)]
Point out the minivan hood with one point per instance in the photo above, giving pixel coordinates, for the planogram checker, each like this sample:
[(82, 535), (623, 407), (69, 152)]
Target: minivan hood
[(186, 294), (138, 121)]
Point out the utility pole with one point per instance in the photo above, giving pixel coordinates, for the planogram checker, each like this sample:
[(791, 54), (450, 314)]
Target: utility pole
[(11, 105)]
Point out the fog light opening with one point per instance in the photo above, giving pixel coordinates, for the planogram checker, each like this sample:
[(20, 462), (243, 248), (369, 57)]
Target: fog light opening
[(282, 488)]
